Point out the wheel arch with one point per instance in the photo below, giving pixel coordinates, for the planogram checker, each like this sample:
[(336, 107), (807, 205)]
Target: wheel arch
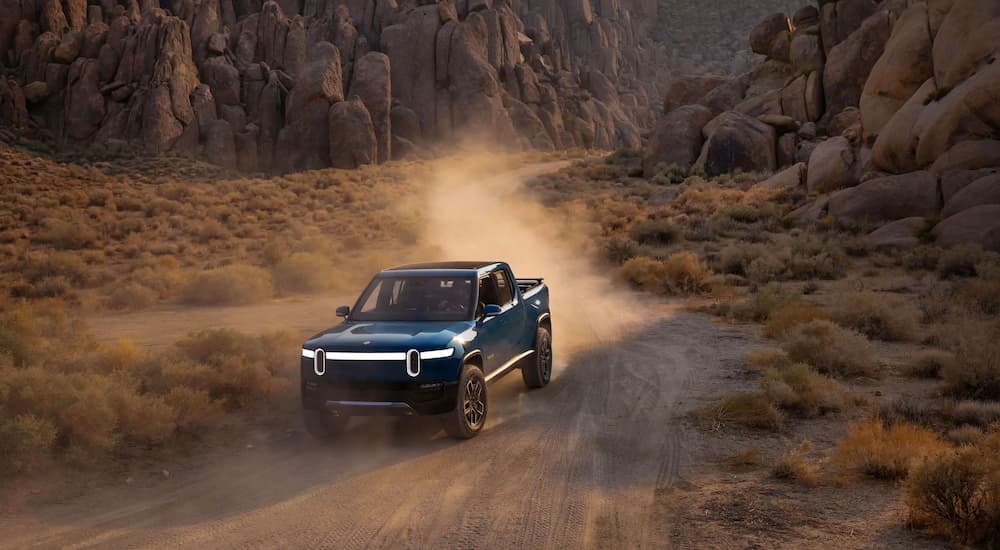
[(474, 357), (545, 321)]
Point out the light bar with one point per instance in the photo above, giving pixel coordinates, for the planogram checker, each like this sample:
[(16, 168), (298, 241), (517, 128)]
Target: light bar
[(379, 356)]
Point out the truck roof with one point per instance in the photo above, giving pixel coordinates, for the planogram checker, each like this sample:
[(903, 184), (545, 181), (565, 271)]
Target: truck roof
[(446, 266)]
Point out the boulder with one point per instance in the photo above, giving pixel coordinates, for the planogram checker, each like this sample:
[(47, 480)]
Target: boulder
[(806, 53), (970, 111), (405, 124), (677, 138), (789, 178), (895, 147), (736, 141), (832, 166), (904, 66), (220, 144), (726, 96), (849, 63), (689, 90), (782, 123), (985, 190), (372, 83), (805, 16), (36, 92), (412, 48), (306, 138), (840, 18), (965, 41), (69, 48), (762, 36), (977, 225), (969, 155), (897, 235), (885, 199), (352, 135), (770, 75), (954, 181), (844, 120), (811, 212), (787, 150), (83, 107)]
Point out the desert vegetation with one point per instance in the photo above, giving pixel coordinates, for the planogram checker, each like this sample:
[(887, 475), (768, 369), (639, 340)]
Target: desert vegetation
[(892, 354)]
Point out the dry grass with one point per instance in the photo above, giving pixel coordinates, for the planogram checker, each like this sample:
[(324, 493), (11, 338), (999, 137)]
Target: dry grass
[(303, 272), (109, 399), (874, 450), (803, 392), (792, 315), (229, 285), (687, 273), (830, 349), (876, 316), (975, 372), (796, 467), (929, 363), (750, 410), (768, 358), (958, 492)]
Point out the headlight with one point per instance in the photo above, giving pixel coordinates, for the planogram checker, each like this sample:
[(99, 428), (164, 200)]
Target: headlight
[(437, 354)]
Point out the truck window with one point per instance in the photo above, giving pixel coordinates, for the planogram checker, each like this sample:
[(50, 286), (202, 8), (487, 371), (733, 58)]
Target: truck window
[(505, 291), (487, 294)]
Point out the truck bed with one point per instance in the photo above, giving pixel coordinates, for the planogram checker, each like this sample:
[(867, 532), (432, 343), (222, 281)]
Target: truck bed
[(527, 285)]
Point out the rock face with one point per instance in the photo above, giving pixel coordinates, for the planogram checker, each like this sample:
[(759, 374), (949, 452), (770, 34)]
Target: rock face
[(529, 74), (832, 166), (978, 225), (677, 139), (736, 141), (889, 198), (898, 235), (352, 135)]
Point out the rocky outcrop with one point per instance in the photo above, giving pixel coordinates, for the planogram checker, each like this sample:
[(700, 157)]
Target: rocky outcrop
[(352, 135), (736, 141), (888, 198), (978, 225), (677, 139)]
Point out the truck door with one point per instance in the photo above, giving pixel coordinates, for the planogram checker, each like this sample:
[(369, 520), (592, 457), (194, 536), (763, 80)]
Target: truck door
[(512, 319), (490, 330)]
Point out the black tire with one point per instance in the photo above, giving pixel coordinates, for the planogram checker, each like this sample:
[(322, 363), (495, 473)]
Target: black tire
[(469, 416), (537, 371), (323, 425)]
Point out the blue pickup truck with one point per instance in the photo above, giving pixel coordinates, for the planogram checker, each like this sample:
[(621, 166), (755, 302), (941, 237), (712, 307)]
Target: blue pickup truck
[(425, 340)]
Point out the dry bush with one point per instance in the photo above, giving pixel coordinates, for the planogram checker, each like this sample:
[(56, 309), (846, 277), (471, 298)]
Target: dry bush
[(659, 232), (958, 492), (56, 263), (194, 409), (959, 261), (302, 272), (687, 273), (746, 409), (645, 273), (975, 372), (143, 418), (769, 299), (978, 413), (923, 258), (229, 285), (906, 409), (928, 363), (876, 316), (792, 315), (25, 441), (620, 249), (736, 258), (67, 234), (131, 296), (802, 391), (830, 348), (90, 419), (795, 466), (747, 459), (964, 435), (872, 449), (768, 358), (981, 296)]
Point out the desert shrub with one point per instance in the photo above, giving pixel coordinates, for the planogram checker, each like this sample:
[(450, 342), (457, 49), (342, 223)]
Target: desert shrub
[(19, 335), (959, 261), (829, 348), (964, 435), (143, 418), (655, 232), (210, 230), (67, 234), (792, 314), (194, 409), (741, 213), (802, 391), (981, 295), (229, 285), (747, 409), (91, 419), (620, 249), (56, 263), (131, 296), (975, 373), (686, 272), (767, 358), (749, 458), (935, 303), (922, 258), (958, 491), (928, 363), (977, 413), (302, 272), (766, 268), (881, 452), (24, 441), (769, 299), (735, 258), (795, 466), (49, 287), (876, 317), (645, 273)]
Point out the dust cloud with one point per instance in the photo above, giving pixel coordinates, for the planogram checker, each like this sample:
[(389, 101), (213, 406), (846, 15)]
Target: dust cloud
[(477, 208)]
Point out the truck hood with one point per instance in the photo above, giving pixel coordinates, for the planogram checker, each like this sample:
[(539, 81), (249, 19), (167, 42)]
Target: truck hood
[(383, 336)]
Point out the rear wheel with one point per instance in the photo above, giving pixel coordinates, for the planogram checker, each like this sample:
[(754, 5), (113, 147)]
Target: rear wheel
[(537, 372), (469, 415), (323, 425)]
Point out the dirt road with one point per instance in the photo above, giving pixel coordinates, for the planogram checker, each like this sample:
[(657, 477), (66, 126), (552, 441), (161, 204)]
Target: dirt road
[(583, 462), (587, 461)]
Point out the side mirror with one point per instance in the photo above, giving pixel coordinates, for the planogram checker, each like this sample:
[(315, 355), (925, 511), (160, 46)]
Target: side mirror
[(343, 311), (492, 310)]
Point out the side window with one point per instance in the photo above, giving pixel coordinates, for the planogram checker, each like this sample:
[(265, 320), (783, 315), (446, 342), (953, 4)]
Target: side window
[(505, 294), (487, 294)]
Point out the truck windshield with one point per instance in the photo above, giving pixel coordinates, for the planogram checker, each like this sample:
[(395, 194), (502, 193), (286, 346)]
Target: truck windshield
[(416, 298)]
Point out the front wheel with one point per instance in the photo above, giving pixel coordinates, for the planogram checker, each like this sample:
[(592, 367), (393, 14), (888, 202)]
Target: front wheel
[(469, 415), (537, 372), (323, 425)]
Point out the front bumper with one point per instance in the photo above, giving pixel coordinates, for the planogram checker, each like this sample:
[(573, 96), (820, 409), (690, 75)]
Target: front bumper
[(355, 398)]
